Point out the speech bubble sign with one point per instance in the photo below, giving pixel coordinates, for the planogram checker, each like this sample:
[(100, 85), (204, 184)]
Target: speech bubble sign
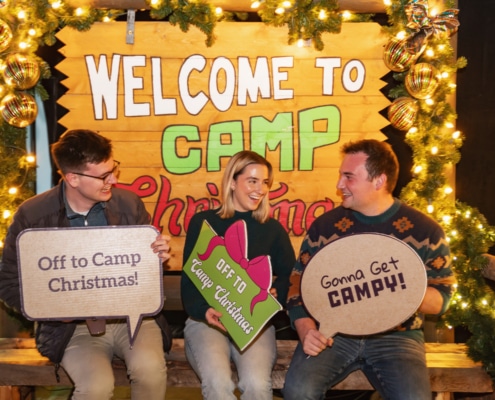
[(363, 284), (232, 284), (91, 272)]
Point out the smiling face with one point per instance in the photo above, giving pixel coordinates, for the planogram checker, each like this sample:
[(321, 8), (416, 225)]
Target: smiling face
[(250, 187), (84, 191), (358, 192)]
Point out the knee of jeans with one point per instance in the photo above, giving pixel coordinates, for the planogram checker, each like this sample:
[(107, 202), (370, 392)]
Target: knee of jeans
[(148, 372), (291, 391), (221, 387), (101, 389), (255, 384)]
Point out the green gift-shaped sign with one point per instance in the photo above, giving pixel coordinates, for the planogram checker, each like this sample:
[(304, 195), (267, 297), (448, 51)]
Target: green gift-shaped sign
[(237, 287)]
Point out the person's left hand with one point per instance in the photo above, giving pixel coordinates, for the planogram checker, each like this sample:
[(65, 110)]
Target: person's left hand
[(161, 246)]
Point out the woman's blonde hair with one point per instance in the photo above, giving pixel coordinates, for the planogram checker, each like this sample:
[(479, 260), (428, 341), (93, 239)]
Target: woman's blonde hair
[(234, 168)]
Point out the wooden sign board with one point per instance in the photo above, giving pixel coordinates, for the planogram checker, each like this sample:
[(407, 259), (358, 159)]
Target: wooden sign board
[(177, 110), (85, 273), (363, 284), (230, 283)]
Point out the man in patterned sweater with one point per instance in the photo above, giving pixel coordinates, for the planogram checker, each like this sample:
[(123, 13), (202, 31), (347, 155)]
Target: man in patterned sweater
[(393, 361)]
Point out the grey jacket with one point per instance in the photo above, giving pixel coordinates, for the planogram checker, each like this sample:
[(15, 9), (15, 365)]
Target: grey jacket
[(47, 210)]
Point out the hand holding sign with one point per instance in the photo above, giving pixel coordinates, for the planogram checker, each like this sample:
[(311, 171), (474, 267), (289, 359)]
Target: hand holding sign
[(85, 273), (363, 284), (232, 284)]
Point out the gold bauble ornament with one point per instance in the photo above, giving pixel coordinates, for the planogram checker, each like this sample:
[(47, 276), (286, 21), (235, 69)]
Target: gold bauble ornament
[(5, 36), (396, 56), (422, 80), (402, 113), (19, 109), (22, 71)]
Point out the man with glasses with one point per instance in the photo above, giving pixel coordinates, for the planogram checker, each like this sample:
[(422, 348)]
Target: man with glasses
[(85, 196)]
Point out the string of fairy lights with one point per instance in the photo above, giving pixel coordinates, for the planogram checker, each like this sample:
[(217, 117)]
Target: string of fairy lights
[(418, 53)]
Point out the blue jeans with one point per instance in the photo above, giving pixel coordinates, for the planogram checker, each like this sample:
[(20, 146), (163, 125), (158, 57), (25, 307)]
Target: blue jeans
[(395, 365), (88, 361), (210, 352)]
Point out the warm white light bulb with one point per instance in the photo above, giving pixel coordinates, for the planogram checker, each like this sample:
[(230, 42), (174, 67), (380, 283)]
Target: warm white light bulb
[(346, 15)]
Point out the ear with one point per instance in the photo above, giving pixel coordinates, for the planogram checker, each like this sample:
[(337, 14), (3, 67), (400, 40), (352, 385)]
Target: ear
[(233, 184), (381, 182), (71, 179)]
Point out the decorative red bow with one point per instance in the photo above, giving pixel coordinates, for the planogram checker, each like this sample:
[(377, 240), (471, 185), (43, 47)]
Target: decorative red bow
[(259, 268)]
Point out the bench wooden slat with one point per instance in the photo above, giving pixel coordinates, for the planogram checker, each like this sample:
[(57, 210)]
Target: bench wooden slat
[(451, 370)]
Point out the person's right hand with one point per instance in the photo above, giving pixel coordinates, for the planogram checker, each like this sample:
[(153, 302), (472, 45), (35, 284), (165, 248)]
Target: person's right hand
[(313, 341), (213, 318)]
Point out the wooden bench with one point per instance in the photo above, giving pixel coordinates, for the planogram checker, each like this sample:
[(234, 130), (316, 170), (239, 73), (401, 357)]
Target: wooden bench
[(451, 370)]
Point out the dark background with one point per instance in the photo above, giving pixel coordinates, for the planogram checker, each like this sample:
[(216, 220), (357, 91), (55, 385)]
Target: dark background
[(475, 180)]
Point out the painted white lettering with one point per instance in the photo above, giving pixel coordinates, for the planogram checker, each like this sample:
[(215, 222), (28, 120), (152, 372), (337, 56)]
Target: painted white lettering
[(328, 64), (132, 83), (161, 105), (250, 84), (280, 76), (222, 100), (103, 85), (192, 104), (353, 76)]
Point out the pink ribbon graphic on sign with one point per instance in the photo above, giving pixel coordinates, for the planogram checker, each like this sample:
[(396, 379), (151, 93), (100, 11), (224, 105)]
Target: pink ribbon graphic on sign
[(258, 269)]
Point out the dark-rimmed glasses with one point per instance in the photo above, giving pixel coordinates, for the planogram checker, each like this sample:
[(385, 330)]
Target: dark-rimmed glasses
[(105, 177)]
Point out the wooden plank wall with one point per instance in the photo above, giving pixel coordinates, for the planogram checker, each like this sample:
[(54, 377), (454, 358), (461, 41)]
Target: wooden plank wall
[(298, 117)]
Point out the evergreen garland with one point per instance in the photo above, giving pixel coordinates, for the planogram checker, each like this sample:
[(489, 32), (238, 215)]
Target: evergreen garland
[(16, 172), (435, 149), (303, 19), (185, 13)]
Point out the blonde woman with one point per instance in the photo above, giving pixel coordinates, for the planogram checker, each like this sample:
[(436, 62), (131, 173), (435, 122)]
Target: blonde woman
[(246, 182)]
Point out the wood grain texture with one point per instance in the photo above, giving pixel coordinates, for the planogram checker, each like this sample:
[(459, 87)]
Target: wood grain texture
[(451, 370)]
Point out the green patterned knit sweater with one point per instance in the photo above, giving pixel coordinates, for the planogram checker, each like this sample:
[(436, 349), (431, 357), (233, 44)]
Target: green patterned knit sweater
[(403, 222)]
